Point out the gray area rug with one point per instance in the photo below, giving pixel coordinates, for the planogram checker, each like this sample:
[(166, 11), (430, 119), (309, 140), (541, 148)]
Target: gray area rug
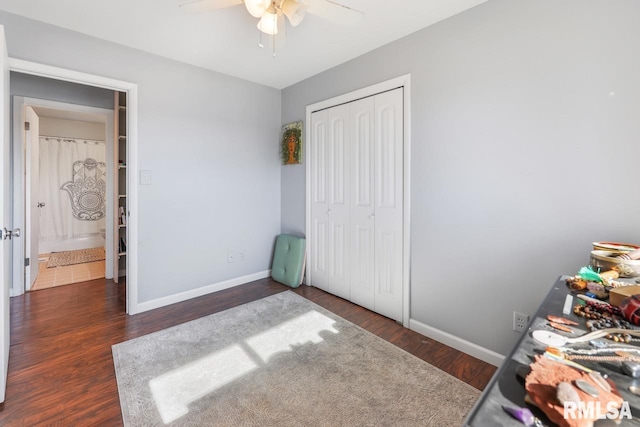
[(281, 361)]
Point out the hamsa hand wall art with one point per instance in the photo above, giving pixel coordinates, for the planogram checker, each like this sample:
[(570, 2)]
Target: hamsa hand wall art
[(87, 189)]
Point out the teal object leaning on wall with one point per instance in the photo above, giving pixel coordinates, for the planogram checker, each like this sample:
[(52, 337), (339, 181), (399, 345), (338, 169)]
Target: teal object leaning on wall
[(288, 260)]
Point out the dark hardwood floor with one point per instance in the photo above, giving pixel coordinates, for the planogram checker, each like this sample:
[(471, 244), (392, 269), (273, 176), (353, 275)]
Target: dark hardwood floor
[(61, 369)]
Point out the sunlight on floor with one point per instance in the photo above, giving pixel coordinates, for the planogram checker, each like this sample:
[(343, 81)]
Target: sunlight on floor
[(174, 390)]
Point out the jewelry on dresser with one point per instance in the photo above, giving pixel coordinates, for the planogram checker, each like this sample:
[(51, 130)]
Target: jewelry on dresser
[(562, 328), (603, 316), (561, 320), (587, 388), (552, 339), (524, 415), (619, 357), (601, 350), (596, 309), (597, 378)]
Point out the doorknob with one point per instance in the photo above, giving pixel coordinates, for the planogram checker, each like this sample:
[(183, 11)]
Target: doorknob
[(329, 212), (372, 215), (8, 234), (40, 204)]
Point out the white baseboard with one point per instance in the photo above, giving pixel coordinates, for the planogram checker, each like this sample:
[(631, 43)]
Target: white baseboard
[(458, 343), (204, 290)]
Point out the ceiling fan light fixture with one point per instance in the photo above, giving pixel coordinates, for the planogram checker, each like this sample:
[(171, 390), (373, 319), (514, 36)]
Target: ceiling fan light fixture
[(257, 7), (294, 11), (268, 24)]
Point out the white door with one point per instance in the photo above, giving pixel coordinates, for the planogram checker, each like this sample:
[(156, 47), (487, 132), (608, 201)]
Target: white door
[(389, 203), (362, 202), (357, 201), (32, 185), (319, 201), (330, 252), (5, 214), (338, 201)]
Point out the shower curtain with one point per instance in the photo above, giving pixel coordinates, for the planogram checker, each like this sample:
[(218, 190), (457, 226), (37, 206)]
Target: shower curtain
[(72, 187)]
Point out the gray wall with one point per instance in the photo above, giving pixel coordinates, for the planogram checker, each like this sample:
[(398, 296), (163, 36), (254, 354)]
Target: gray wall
[(525, 148), (49, 126), (57, 90), (211, 142)]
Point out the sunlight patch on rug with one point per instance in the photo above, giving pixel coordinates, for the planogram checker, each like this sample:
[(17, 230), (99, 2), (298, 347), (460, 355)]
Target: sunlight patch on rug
[(174, 390), (287, 336)]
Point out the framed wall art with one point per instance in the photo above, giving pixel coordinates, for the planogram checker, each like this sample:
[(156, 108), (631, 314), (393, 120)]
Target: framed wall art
[(291, 144)]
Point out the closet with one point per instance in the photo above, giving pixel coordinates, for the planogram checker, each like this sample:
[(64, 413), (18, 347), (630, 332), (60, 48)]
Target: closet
[(356, 191), (121, 214)]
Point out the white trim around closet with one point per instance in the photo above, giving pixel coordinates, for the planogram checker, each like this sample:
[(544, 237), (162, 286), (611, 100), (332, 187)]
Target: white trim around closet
[(402, 81)]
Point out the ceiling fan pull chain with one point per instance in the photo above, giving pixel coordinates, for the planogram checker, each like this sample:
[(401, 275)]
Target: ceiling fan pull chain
[(260, 44)]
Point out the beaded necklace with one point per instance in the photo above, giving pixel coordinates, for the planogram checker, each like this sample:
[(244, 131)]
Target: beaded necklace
[(602, 316), (613, 348), (619, 357)]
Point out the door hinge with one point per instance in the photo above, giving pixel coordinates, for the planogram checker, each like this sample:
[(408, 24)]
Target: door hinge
[(27, 126), (27, 261)]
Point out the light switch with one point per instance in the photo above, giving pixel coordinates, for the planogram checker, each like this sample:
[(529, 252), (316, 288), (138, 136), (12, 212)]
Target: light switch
[(145, 177)]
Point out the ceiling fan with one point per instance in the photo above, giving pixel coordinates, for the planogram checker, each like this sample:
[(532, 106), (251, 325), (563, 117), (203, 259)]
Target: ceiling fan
[(271, 13)]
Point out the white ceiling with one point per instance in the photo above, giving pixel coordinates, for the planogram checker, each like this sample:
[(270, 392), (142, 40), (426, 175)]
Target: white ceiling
[(226, 40), (54, 113)]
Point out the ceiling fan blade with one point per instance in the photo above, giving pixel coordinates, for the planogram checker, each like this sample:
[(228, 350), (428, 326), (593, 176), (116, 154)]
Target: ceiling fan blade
[(334, 11), (201, 6)]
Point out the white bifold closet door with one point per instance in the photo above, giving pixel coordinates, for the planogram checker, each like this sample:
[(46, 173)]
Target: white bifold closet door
[(330, 200), (357, 201)]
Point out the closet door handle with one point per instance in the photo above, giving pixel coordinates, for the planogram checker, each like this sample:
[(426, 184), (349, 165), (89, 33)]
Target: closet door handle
[(372, 215), (328, 211)]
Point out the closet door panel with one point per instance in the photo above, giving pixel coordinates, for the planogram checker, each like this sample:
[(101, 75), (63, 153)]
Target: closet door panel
[(362, 202), (319, 202), (388, 203), (319, 159), (320, 269), (338, 206)]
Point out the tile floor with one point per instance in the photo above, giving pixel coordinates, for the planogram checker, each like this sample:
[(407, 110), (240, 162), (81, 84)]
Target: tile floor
[(58, 276)]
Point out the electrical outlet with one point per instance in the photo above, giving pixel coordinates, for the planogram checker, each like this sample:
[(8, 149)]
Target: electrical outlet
[(242, 255), (231, 257), (520, 321)]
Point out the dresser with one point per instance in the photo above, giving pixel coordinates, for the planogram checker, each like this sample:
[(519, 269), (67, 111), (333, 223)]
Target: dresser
[(505, 388)]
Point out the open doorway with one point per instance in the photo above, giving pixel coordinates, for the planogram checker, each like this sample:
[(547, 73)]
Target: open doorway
[(30, 79), (66, 209), (65, 152)]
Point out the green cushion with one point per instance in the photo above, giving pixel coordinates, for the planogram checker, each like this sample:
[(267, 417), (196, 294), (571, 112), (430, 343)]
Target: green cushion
[(288, 260)]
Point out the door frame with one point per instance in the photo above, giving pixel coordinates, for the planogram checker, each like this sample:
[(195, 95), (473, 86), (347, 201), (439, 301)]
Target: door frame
[(56, 73), (404, 82), (20, 285)]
